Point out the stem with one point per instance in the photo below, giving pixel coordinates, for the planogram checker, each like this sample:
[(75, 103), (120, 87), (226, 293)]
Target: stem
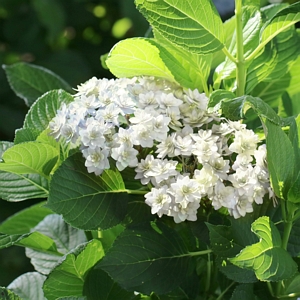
[(229, 55), (200, 252), (240, 61), (270, 288)]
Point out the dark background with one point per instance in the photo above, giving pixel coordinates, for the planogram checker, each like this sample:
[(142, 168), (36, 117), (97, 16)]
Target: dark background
[(68, 37)]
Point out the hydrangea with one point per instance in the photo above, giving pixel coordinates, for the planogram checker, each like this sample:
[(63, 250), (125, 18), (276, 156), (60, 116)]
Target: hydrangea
[(186, 155)]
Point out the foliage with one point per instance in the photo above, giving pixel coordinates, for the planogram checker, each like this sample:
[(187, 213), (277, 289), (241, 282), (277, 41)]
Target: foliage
[(95, 237)]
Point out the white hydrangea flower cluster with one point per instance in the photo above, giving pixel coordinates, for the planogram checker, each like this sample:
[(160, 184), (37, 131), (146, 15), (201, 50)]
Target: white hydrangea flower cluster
[(182, 152)]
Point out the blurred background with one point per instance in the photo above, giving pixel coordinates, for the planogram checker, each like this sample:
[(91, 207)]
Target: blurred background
[(68, 37)]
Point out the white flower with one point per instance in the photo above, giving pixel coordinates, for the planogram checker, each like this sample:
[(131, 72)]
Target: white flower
[(185, 190), (93, 135), (180, 213), (166, 147), (161, 170), (142, 135), (124, 157), (143, 166), (58, 121), (206, 179), (159, 200), (223, 196), (243, 206), (245, 142), (96, 160), (160, 128)]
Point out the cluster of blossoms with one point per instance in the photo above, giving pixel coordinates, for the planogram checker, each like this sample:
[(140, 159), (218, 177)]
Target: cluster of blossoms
[(184, 153)]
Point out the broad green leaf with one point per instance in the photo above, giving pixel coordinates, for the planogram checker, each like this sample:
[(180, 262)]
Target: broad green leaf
[(292, 285), (229, 28), (87, 201), (235, 109), (45, 108), (280, 22), (25, 135), (29, 286), (183, 24), (141, 55), (22, 222), (226, 242), (147, 259), (35, 240), (64, 237), (190, 70), (29, 82), (275, 61), (281, 159), (98, 285), (29, 158), (67, 278), (217, 96), (6, 294), (294, 87), (18, 187), (271, 92), (108, 236), (267, 258), (243, 291)]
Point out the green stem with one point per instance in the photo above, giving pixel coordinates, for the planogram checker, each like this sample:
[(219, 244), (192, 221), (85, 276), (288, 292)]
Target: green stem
[(240, 60), (197, 253), (229, 55)]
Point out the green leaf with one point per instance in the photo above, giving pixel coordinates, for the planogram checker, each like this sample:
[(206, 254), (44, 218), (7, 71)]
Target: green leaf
[(26, 135), (29, 286), (6, 294), (271, 92), (29, 82), (85, 200), (217, 96), (67, 278), (243, 291), (266, 258), (281, 159), (147, 259), (98, 285), (190, 70), (294, 87), (142, 56), (228, 241), (64, 237), (280, 22), (22, 222), (275, 61), (235, 109), (45, 109), (182, 23), (30, 157), (292, 286), (18, 187)]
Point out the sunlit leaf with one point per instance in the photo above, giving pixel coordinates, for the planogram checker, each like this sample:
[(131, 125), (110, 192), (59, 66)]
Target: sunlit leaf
[(186, 27), (267, 258), (142, 56), (67, 278), (30, 157)]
